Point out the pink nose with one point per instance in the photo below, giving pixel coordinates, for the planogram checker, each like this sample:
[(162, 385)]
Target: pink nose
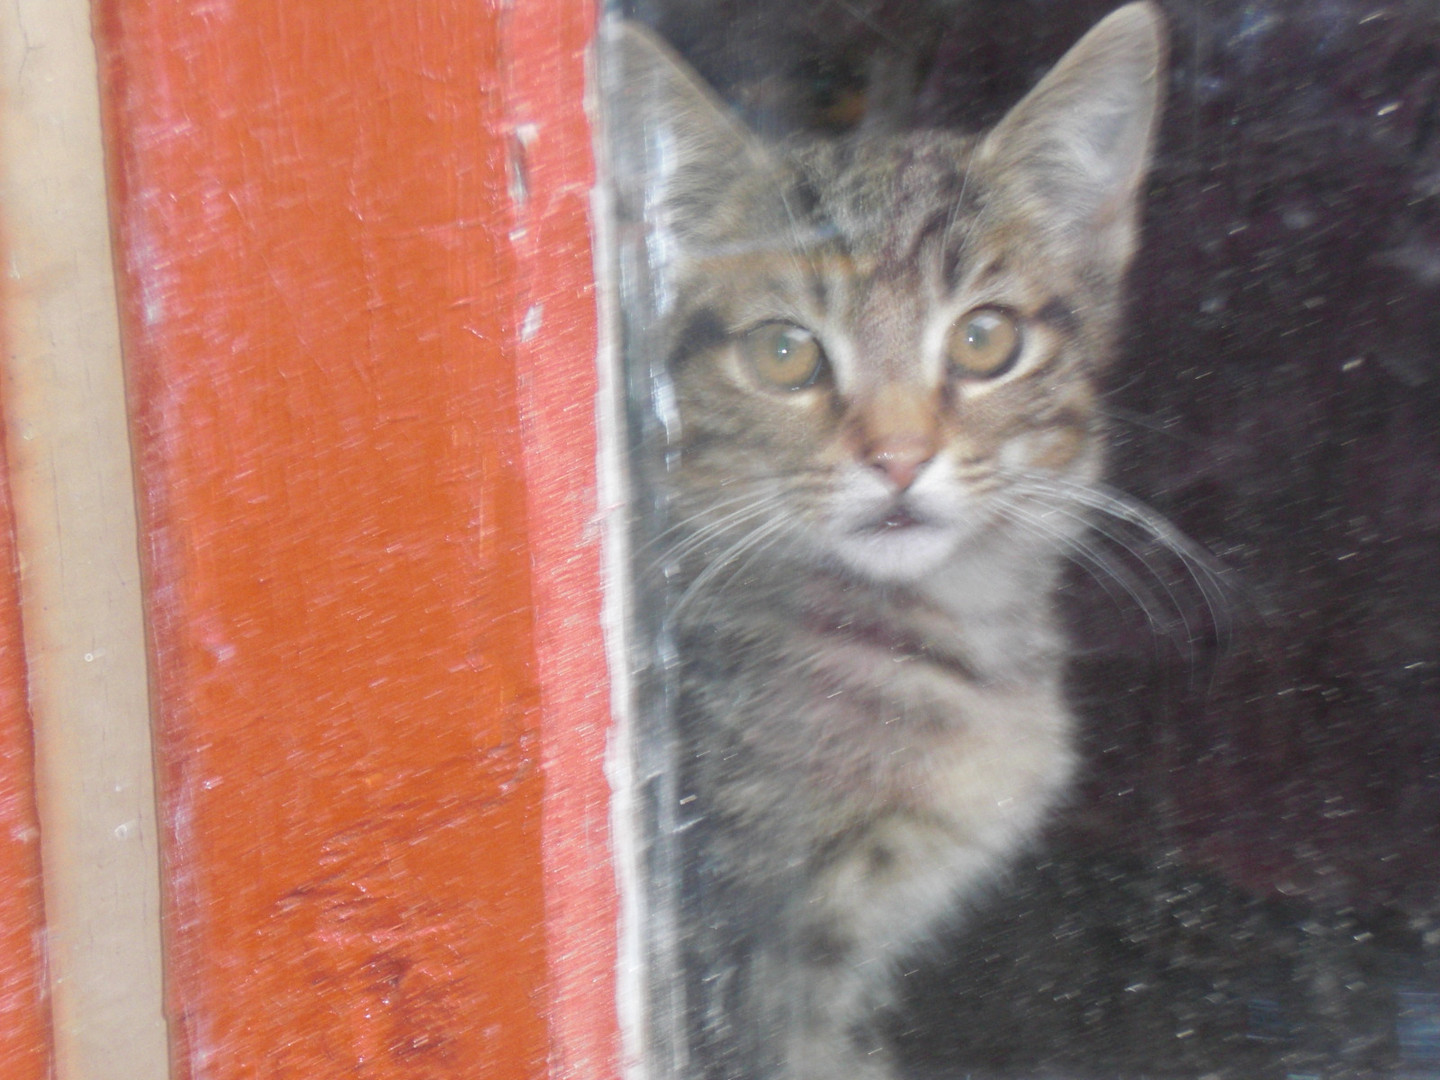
[(900, 459)]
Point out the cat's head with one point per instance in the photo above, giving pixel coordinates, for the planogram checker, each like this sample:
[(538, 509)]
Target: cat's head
[(878, 346)]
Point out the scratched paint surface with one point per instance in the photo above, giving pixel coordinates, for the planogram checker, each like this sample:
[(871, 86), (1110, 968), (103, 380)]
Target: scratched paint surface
[(24, 1027), (323, 299), (555, 315)]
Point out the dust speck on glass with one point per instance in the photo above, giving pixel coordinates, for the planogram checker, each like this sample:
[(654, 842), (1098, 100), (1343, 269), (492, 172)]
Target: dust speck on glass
[(1034, 433)]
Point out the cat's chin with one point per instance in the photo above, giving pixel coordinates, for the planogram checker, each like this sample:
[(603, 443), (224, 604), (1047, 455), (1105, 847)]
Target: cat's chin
[(896, 553)]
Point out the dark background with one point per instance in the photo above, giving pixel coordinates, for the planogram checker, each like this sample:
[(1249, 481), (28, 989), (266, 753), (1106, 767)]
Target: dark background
[(1249, 882)]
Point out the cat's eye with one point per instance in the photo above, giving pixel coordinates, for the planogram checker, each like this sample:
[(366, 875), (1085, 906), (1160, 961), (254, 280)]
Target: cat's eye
[(983, 344), (783, 355)]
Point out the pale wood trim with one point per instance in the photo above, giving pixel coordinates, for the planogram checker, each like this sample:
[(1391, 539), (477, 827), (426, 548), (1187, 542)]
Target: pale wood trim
[(80, 579)]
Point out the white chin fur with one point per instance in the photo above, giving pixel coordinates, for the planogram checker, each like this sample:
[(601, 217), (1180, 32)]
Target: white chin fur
[(897, 555), (904, 554)]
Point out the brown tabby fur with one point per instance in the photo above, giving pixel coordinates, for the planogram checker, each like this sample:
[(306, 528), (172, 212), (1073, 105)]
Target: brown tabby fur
[(860, 571)]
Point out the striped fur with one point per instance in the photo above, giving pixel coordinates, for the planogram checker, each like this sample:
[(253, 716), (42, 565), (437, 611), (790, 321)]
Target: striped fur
[(860, 569)]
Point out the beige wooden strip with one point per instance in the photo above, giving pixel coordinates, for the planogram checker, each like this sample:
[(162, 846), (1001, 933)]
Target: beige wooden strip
[(73, 491)]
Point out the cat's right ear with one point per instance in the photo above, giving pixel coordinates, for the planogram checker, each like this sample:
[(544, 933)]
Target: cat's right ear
[(675, 147), (1078, 145)]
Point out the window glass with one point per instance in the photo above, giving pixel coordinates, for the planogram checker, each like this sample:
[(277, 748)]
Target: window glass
[(1035, 437)]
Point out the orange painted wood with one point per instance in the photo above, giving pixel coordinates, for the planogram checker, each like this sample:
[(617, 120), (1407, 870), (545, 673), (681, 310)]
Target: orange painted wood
[(557, 342), (373, 600), (24, 1016)]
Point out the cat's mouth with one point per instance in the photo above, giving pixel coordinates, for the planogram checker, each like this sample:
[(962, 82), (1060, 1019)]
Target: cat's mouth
[(898, 519), (897, 542)]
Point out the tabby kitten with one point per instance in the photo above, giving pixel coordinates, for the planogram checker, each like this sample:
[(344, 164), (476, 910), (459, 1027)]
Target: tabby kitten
[(881, 358)]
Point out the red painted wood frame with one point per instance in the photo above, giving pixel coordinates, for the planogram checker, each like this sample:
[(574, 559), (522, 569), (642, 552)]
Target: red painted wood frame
[(24, 1020), (359, 319)]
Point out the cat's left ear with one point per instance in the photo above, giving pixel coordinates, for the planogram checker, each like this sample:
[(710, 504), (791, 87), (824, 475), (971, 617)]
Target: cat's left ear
[(1078, 145), (675, 146)]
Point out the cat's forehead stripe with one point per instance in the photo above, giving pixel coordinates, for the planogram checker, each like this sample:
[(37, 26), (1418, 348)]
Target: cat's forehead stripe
[(1059, 313), (778, 259), (884, 196)]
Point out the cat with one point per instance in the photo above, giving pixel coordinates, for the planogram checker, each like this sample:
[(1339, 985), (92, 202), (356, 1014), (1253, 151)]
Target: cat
[(876, 363)]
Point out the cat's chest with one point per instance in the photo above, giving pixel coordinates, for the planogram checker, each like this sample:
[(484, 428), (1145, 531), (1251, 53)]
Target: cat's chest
[(906, 730), (886, 709), (912, 664)]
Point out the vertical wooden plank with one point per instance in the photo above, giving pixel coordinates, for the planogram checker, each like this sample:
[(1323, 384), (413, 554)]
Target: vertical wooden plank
[(71, 477), (551, 156), (25, 1052), (25, 1047), (320, 307)]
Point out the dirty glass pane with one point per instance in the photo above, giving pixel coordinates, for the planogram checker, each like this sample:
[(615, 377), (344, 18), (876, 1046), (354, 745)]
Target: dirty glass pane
[(1034, 418)]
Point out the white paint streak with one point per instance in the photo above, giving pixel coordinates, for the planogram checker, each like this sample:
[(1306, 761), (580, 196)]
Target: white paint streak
[(614, 493)]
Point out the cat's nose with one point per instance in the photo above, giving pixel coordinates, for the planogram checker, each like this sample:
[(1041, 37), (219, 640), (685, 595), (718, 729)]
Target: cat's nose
[(898, 429), (899, 459)]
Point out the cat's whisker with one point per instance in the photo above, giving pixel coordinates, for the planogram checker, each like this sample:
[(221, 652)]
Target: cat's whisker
[(719, 563), (755, 552), (1204, 569), (1139, 420), (1092, 561), (755, 496), (1139, 555), (700, 537), (1100, 569), (689, 520)]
